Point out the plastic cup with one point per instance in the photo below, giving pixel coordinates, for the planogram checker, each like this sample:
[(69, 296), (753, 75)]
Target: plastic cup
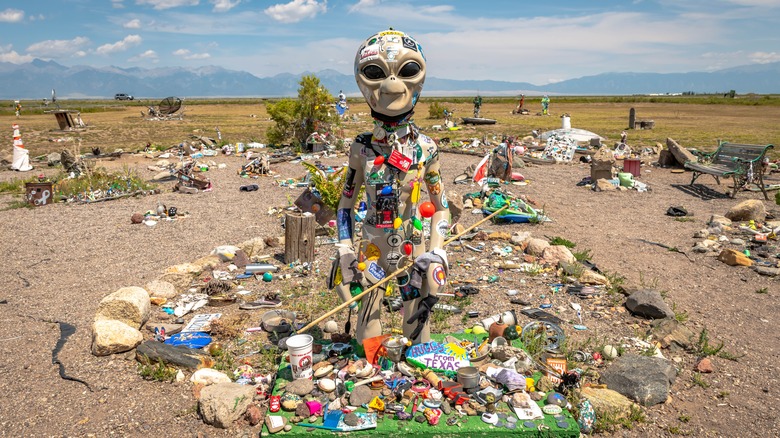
[(300, 349)]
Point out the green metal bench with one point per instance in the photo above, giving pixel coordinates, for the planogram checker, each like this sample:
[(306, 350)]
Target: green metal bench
[(742, 162)]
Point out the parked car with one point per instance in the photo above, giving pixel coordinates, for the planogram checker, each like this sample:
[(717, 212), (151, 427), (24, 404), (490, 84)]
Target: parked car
[(123, 96)]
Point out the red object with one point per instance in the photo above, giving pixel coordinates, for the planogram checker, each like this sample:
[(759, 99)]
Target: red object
[(399, 161), (275, 403), (408, 248), (632, 165), (427, 209), (379, 160)]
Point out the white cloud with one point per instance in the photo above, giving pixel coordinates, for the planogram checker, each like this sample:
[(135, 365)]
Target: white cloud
[(363, 4), (186, 54), (119, 46), (38, 17), (132, 24), (117, 4), (7, 54), (147, 56), (764, 57), (167, 4), (296, 10), (224, 5), (57, 48), (11, 16)]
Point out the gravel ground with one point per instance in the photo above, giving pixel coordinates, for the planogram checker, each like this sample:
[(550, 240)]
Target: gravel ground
[(61, 260)]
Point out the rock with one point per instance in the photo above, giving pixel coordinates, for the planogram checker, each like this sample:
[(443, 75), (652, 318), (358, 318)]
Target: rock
[(209, 376), (162, 289), (290, 402), (183, 268), (468, 204), (111, 336), (53, 158), (287, 427), (302, 410), (750, 209), (766, 270), (161, 175), (608, 403), (477, 202), (273, 242), (536, 247), (520, 237), (733, 257), (252, 247), (136, 218), (211, 261), (723, 221), (680, 154), (130, 305), (351, 419), (648, 303), (326, 385), (446, 407), (499, 235), (222, 404), (701, 234), (603, 185), (300, 387), (455, 202), (555, 254), (275, 423), (592, 277), (672, 334), (225, 252), (609, 352), (643, 379), (704, 365), (254, 415), (331, 327), (360, 396)]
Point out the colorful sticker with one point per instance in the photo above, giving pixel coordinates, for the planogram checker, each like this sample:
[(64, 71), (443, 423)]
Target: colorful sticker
[(373, 252), (433, 181), (349, 184), (444, 202), (369, 52), (443, 227), (376, 270), (439, 276), (409, 43), (394, 240), (344, 222)]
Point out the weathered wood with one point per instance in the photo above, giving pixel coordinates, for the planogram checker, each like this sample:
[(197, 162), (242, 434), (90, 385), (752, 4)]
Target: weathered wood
[(632, 118), (299, 237), (151, 352)]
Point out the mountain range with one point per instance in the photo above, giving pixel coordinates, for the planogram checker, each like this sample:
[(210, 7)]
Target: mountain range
[(36, 79)]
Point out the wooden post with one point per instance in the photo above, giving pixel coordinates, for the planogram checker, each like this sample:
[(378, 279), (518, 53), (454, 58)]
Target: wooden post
[(299, 237), (632, 119)]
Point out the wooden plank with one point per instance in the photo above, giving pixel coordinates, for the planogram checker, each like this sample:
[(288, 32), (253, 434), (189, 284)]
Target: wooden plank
[(299, 238)]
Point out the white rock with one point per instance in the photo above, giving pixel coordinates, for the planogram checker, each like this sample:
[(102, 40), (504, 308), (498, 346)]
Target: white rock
[(326, 385), (130, 305), (160, 288), (609, 352), (209, 376), (225, 252), (112, 336), (331, 327), (180, 376)]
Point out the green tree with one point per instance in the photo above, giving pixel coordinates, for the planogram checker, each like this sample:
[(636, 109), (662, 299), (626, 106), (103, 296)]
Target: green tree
[(297, 119)]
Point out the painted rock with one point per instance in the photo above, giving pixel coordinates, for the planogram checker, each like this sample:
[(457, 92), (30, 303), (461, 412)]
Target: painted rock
[(326, 385), (447, 358)]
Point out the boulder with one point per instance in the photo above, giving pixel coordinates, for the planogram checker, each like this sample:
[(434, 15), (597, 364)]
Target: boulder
[(112, 336), (162, 289), (750, 209), (672, 334), (648, 303), (361, 395), (209, 376), (536, 247), (181, 275), (733, 257), (718, 219), (252, 247), (592, 277), (222, 404), (643, 379), (680, 154), (520, 237), (455, 202), (555, 254), (130, 305), (608, 403)]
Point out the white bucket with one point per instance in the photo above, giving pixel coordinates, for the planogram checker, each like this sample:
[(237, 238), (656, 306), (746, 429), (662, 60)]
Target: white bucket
[(508, 318), (300, 349), (240, 148), (566, 122)]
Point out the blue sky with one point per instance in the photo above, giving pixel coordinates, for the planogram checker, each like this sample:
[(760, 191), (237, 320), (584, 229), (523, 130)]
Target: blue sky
[(526, 41)]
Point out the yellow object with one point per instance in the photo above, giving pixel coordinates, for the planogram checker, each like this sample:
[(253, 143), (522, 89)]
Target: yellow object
[(388, 289), (362, 266), (373, 252), (529, 384), (415, 197), (478, 330), (377, 404), (339, 279), (397, 223)]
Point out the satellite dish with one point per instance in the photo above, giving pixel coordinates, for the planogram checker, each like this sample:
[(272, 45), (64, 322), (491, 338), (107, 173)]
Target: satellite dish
[(169, 105)]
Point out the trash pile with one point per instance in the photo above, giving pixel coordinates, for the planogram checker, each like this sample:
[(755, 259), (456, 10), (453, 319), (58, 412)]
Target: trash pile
[(742, 237)]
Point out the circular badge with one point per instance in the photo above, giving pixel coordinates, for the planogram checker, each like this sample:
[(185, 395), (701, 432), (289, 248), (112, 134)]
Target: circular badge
[(373, 252), (394, 240), (439, 276)]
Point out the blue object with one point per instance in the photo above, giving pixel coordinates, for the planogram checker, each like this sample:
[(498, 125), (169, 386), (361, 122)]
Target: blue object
[(189, 339)]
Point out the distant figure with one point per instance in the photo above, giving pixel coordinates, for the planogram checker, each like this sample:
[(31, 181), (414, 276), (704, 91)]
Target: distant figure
[(219, 134), (477, 105), (520, 104), (545, 104), (342, 97), (79, 121), (18, 108), (623, 137)]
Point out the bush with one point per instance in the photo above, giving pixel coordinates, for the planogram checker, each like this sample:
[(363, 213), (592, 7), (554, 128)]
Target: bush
[(435, 111)]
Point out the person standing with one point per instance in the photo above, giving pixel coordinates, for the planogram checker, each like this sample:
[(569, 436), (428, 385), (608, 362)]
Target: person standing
[(477, 105), (545, 105), (18, 108)]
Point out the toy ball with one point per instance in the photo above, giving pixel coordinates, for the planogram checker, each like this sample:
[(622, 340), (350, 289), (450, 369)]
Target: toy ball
[(427, 209), (267, 276), (379, 160), (362, 266)]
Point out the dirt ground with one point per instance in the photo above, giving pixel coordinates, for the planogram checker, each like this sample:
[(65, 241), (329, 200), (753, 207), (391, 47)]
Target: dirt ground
[(61, 260)]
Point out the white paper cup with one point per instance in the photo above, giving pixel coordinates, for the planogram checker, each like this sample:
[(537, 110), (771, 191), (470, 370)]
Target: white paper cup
[(300, 349)]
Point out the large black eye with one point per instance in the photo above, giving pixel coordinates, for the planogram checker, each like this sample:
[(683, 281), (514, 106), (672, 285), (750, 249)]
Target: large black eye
[(409, 70), (374, 72)]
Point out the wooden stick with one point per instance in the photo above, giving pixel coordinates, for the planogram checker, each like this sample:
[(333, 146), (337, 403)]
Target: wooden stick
[(392, 275)]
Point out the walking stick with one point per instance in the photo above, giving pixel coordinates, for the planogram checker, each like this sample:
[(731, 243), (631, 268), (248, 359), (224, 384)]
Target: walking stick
[(398, 271)]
